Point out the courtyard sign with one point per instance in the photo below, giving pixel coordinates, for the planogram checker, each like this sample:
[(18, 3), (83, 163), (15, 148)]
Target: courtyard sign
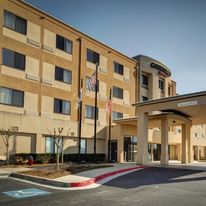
[(187, 104)]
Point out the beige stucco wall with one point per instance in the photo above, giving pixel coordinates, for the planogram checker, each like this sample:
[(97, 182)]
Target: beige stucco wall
[(153, 91), (20, 143), (199, 135), (32, 38), (37, 118), (39, 85)]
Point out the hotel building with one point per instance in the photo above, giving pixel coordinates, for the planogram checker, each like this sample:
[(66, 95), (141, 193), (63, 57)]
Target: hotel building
[(44, 63)]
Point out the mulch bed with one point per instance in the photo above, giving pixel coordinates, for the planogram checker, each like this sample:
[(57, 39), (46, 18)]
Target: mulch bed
[(52, 173)]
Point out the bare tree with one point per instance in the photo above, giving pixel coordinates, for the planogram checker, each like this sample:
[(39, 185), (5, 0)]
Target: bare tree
[(59, 141), (6, 136), (63, 141)]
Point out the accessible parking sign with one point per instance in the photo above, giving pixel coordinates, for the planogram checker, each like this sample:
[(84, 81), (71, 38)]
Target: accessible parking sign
[(26, 193)]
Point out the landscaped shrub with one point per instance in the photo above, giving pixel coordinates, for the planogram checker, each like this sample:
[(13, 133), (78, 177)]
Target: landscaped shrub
[(84, 158), (45, 158), (41, 158), (22, 158)]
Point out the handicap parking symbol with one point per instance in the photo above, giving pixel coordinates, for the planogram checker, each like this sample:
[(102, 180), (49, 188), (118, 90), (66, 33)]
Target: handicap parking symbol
[(26, 193)]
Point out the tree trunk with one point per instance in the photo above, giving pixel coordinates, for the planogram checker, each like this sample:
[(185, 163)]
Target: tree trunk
[(62, 154), (7, 153), (57, 162), (62, 157)]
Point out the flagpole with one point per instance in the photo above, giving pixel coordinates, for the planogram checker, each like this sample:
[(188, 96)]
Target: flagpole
[(80, 116), (95, 113), (80, 85), (110, 125)]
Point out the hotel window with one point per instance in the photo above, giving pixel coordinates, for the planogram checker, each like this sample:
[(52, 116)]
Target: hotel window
[(49, 145), (63, 44), (161, 84), (92, 56), (13, 59), (169, 90), (89, 86), (145, 80), (83, 146), (11, 97), (15, 23), (117, 92), (118, 68), (144, 99), (63, 75), (90, 112), (117, 115), (62, 106)]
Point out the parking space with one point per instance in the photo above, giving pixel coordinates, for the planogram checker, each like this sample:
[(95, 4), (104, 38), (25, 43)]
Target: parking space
[(151, 186), (25, 193)]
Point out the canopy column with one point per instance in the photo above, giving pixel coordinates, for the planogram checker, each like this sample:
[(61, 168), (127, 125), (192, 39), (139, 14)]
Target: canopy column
[(142, 142), (186, 144), (164, 142)]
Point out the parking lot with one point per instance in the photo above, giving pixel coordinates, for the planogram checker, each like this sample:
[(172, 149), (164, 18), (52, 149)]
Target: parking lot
[(151, 186)]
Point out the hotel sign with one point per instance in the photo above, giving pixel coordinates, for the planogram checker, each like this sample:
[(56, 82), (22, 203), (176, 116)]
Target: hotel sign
[(162, 71), (187, 104)]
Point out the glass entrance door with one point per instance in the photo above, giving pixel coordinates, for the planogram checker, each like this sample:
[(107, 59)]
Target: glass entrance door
[(156, 152), (114, 150), (130, 148)]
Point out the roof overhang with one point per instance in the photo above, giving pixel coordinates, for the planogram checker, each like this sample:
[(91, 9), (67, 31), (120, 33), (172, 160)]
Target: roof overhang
[(191, 106), (155, 120)]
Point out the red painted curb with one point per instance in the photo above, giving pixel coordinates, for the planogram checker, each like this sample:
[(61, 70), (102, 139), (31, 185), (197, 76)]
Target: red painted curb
[(100, 177)]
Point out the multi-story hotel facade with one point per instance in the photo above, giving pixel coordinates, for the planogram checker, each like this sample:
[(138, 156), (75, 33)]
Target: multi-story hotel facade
[(44, 64)]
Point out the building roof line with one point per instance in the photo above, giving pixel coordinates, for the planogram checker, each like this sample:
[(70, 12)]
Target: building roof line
[(157, 61), (155, 116), (76, 31), (172, 98)]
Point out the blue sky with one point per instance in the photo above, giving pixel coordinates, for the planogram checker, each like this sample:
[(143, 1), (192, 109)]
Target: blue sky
[(171, 31)]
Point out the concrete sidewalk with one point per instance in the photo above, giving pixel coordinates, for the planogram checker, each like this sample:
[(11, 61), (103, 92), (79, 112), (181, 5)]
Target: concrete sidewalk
[(82, 179), (90, 178), (87, 175), (178, 165), (6, 171)]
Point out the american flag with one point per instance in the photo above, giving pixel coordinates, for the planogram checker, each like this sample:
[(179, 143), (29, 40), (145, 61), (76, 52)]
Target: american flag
[(91, 82), (109, 106)]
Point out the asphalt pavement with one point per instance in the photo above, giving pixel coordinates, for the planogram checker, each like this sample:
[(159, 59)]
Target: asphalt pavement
[(151, 186)]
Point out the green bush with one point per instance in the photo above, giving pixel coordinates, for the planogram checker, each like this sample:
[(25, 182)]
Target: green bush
[(42, 158), (39, 158), (21, 159), (89, 158)]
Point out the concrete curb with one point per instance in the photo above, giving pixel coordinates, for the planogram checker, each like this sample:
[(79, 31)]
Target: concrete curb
[(103, 176), (4, 174), (40, 180), (72, 184), (182, 167)]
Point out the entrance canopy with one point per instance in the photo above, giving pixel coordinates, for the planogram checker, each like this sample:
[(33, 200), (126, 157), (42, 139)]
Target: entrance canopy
[(155, 120), (185, 110), (191, 106)]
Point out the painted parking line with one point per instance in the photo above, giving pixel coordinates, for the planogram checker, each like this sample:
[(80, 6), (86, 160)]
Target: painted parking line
[(26, 193)]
